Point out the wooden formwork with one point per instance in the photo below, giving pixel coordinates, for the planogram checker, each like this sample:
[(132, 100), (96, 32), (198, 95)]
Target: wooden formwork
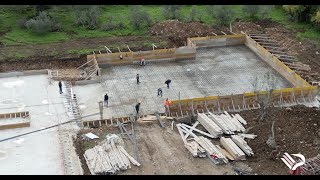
[(238, 102), (13, 116)]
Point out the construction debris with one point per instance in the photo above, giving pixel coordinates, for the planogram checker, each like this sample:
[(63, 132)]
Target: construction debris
[(249, 136), (91, 136), (109, 157)]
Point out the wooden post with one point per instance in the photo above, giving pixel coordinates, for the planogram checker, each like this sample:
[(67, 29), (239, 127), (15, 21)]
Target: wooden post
[(219, 104), (244, 102), (232, 94), (303, 96), (101, 109)]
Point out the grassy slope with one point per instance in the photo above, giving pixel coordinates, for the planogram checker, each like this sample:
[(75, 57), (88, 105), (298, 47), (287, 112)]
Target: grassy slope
[(119, 13), (306, 30)]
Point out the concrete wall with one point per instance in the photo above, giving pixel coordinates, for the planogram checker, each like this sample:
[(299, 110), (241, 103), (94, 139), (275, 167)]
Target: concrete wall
[(131, 57), (244, 101), (23, 73), (275, 63), (216, 41)]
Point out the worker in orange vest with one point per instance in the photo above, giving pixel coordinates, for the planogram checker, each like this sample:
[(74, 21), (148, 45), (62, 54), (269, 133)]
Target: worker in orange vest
[(167, 104)]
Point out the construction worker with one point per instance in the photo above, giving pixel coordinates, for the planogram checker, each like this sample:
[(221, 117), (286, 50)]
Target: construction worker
[(138, 107), (60, 87), (138, 79), (106, 99), (142, 62), (168, 83), (167, 104), (159, 92)]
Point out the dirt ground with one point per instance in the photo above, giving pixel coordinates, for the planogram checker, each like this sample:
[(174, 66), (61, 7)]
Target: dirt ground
[(178, 32), (161, 152), (56, 56), (296, 131)]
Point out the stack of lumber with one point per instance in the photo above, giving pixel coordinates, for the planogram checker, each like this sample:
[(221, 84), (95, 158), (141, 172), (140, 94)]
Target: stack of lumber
[(232, 149), (200, 146), (108, 158), (209, 125), (240, 119), (228, 124), (242, 144)]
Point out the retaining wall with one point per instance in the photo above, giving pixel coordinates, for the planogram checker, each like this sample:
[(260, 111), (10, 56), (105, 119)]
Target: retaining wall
[(249, 100), (275, 63), (131, 57), (216, 41)]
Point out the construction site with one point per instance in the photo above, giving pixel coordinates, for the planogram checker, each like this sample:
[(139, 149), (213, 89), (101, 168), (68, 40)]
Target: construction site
[(239, 105)]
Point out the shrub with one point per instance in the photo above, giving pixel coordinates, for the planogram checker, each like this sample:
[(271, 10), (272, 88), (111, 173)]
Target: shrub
[(223, 14), (171, 11), (138, 17), (193, 13), (41, 24), (87, 16), (21, 23)]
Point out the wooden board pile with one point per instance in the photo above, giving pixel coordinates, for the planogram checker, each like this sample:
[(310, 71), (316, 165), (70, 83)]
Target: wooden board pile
[(200, 146), (209, 125), (228, 124), (235, 148), (109, 157)]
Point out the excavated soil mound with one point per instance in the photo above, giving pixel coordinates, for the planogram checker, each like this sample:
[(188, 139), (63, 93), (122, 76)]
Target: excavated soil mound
[(178, 31), (296, 131)]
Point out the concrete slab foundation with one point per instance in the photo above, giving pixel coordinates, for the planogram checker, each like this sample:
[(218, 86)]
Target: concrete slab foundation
[(216, 71), (41, 152)]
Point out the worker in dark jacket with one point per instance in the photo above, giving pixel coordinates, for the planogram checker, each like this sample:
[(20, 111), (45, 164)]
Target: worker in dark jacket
[(138, 107), (60, 87), (168, 83), (138, 77), (106, 99)]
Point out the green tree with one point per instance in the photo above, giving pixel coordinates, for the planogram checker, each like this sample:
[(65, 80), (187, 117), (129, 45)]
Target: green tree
[(171, 11), (193, 13), (138, 17), (252, 11), (316, 19), (223, 14), (87, 16)]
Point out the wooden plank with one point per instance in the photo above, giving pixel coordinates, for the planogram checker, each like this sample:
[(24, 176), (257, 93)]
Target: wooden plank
[(225, 128), (197, 130), (242, 144), (193, 126), (232, 148), (132, 160), (228, 155), (209, 125)]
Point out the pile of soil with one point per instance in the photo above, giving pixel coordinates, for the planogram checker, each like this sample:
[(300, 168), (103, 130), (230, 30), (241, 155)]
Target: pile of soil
[(24, 65), (296, 131), (178, 32)]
